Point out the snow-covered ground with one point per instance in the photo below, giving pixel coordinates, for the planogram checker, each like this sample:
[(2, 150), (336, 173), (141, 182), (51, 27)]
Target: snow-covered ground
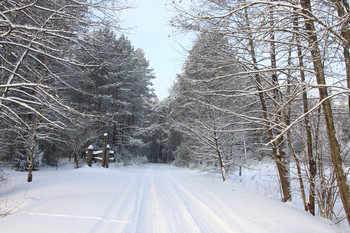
[(150, 198)]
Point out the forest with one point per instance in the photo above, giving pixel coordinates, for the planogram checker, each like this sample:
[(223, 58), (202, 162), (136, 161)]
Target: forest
[(263, 79)]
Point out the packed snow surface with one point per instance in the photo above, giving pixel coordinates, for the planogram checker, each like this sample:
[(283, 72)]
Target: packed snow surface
[(150, 198)]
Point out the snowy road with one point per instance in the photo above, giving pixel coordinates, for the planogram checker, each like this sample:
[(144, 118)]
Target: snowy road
[(152, 198)]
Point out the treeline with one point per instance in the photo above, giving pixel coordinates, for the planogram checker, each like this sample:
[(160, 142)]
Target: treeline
[(267, 78), (67, 77)]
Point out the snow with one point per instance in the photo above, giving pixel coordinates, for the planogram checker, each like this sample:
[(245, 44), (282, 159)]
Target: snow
[(149, 198), (97, 152)]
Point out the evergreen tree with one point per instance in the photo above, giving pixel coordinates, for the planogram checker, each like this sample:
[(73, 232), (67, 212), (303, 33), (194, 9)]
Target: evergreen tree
[(117, 93)]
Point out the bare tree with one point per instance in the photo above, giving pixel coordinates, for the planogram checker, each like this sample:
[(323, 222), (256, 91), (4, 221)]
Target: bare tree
[(303, 57), (327, 109), (36, 38)]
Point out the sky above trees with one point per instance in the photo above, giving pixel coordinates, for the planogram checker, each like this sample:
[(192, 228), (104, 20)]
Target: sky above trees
[(152, 33)]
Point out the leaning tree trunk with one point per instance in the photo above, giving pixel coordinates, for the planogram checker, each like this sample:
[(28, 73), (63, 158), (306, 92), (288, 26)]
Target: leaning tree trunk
[(327, 110), (222, 167), (279, 159), (277, 150)]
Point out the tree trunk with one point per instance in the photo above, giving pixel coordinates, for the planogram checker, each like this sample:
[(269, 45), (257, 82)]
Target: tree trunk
[(287, 116), (327, 110), (76, 159), (35, 131), (310, 156), (222, 167), (279, 159), (32, 149), (343, 9)]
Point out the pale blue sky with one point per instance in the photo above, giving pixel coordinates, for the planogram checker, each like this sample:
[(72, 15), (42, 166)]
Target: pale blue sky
[(151, 32)]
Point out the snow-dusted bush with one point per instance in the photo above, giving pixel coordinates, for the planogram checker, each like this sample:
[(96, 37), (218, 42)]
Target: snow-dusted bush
[(139, 160), (51, 155), (2, 176), (21, 160), (182, 157), (128, 159)]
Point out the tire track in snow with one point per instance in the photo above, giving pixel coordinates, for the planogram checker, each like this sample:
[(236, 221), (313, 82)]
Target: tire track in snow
[(159, 209), (217, 204), (178, 217), (115, 216), (204, 217), (251, 222), (150, 214), (153, 198), (75, 216), (119, 209), (110, 205), (159, 222), (131, 203), (204, 214), (140, 202)]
